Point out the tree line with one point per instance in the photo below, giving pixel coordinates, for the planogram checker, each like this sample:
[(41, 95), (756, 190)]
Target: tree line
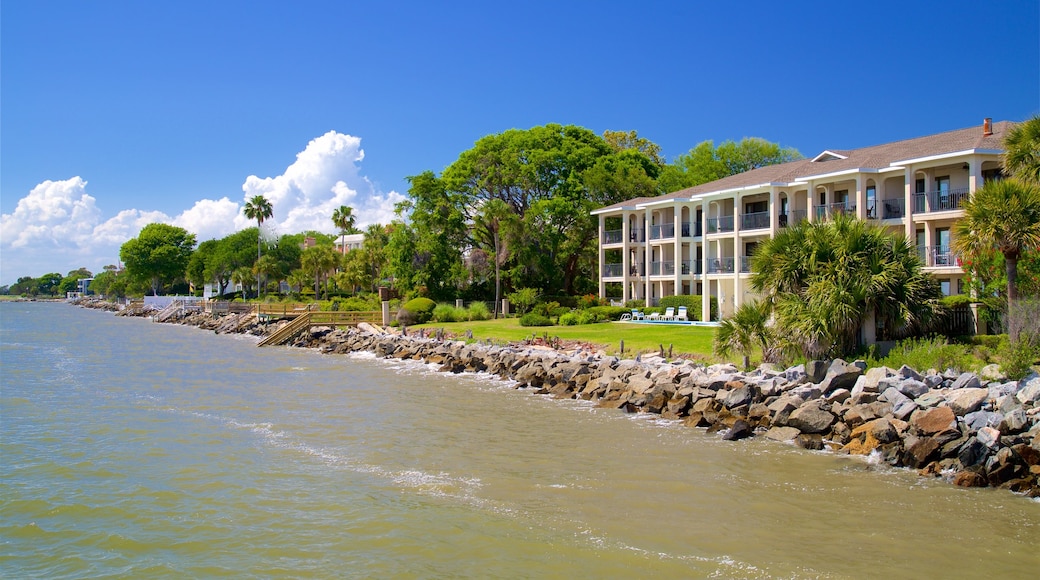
[(511, 212)]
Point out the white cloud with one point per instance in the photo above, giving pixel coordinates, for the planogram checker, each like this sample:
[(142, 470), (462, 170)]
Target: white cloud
[(58, 227)]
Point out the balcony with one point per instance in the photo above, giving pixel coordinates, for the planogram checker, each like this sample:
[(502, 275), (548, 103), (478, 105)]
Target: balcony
[(662, 268), (887, 209), (613, 270), (938, 257), (662, 232), (720, 265), (720, 224), (637, 270), (794, 218), (696, 229), (828, 211), (745, 264), (754, 221), (935, 201), (692, 266), (613, 237)]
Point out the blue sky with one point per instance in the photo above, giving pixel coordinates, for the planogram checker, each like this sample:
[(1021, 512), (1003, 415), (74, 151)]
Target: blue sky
[(115, 114)]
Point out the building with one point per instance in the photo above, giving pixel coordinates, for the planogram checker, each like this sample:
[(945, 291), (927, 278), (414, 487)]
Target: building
[(699, 240), (349, 242)]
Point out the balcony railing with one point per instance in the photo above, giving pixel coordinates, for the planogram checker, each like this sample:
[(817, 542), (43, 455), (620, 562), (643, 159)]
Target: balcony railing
[(745, 264), (613, 270), (828, 211), (613, 236), (686, 229), (636, 235), (886, 209), (692, 267), (934, 201), (662, 232), (720, 224), (662, 268), (637, 269), (720, 265), (754, 221), (793, 218), (938, 256)]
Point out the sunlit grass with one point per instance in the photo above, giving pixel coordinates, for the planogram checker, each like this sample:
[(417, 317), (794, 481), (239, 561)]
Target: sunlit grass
[(693, 341)]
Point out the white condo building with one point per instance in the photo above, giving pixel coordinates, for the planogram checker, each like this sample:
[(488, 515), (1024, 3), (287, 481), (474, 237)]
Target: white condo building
[(699, 240)]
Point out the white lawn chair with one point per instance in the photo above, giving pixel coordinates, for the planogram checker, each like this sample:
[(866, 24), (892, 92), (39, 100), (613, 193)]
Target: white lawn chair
[(669, 313), (637, 314), (681, 315)]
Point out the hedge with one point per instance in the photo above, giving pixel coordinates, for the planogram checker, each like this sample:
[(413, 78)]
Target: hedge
[(692, 304)]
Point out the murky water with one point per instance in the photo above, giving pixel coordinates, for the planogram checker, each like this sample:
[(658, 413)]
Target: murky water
[(133, 449)]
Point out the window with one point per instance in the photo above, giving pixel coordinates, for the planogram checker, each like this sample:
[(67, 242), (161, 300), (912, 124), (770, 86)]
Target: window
[(919, 186), (756, 207), (942, 185), (944, 285), (871, 201)]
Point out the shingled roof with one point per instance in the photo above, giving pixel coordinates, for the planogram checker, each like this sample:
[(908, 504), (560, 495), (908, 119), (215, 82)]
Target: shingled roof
[(867, 158)]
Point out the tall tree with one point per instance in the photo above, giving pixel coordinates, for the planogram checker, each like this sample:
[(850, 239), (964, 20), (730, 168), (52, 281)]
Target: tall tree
[(1002, 214), (259, 209), (1021, 157), (630, 140), (706, 162), (343, 218), (490, 228), (158, 255), (319, 261)]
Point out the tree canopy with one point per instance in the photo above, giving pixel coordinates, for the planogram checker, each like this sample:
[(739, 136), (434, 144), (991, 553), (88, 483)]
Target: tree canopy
[(706, 162), (159, 255)]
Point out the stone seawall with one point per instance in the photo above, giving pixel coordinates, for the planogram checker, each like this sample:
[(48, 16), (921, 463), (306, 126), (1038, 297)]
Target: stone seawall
[(975, 431)]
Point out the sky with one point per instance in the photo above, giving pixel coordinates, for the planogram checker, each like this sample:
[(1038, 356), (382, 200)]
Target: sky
[(115, 114)]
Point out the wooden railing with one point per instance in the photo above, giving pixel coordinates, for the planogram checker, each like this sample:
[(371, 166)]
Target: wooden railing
[(310, 318)]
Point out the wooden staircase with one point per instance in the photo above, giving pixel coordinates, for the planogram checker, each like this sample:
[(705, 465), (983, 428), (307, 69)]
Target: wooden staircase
[(312, 318)]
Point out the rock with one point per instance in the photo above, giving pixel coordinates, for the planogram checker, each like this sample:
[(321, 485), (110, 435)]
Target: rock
[(980, 419), (739, 396), (933, 381), (969, 478), (973, 453), (921, 452), (816, 370), (930, 399), (912, 388), (966, 399), (808, 441), (934, 420), (840, 375), (1029, 392), (1014, 422), (782, 433), (892, 395), (811, 419), (966, 381), (739, 430), (991, 372), (906, 372), (1029, 455), (989, 437), (883, 430), (838, 396)]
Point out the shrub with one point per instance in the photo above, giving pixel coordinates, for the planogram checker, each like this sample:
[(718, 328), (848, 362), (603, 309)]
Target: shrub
[(546, 308), (635, 304), (416, 311), (478, 311), (448, 313), (588, 317), (534, 319), (569, 319), (590, 300), (936, 353), (608, 312), (523, 299), (1016, 360), (558, 311), (956, 300)]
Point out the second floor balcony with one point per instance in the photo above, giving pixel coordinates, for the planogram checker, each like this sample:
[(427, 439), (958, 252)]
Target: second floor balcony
[(829, 210), (663, 268), (793, 218), (720, 224), (934, 201), (613, 270), (885, 209), (754, 221)]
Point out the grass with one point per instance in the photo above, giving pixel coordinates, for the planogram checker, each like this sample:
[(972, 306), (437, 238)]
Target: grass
[(689, 341)]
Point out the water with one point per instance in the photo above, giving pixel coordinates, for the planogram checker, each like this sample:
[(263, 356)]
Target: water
[(133, 449)]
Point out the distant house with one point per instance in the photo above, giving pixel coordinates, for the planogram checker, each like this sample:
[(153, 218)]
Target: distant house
[(349, 242), (700, 240)]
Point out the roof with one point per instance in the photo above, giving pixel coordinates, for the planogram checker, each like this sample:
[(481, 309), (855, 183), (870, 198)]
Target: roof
[(830, 161)]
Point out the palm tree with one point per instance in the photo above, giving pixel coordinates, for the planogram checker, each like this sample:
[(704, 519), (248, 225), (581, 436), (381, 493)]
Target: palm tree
[(749, 327), (1002, 214), (298, 279), (826, 280), (270, 268), (259, 209), (494, 217), (343, 218), (1021, 157), (319, 260)]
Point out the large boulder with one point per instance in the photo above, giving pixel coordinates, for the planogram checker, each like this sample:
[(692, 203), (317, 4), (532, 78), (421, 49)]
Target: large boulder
[(741, 395), (811, 418), (967, 399), (840, 375), (1029, 390), (782, 433), (966, 381), (933, 420)]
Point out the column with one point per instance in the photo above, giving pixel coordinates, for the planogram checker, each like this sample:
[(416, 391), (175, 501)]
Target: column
[(602, 257), (908, 202), (677, 251), (646, 256), (861, 198), (626, 252)]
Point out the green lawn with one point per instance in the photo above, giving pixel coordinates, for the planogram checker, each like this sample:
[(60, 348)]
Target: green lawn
[(639, 338)]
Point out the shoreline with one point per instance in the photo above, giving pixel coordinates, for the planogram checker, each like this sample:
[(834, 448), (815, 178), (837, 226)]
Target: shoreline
[(971, 430)]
